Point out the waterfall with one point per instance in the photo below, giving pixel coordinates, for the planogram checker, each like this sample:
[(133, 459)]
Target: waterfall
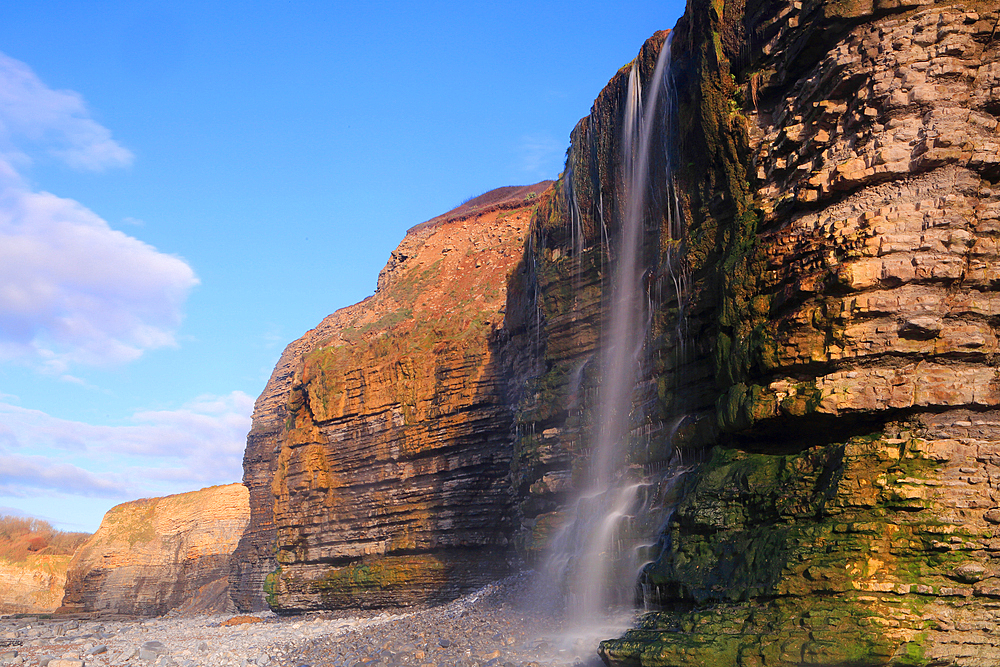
[(613, 528)]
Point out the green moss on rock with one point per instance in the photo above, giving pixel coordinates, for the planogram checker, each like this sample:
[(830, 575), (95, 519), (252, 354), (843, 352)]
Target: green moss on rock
[(780, 632)]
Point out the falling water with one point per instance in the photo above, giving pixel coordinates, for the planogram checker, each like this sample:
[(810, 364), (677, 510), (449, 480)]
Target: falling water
[(597, 554)]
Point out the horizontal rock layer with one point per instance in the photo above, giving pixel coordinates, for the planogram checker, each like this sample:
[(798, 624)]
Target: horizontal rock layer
[(33, 586), (390, 467), (154, 555), (846, 514)]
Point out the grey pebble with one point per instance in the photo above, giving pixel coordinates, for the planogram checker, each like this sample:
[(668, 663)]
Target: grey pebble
[(155, 647)]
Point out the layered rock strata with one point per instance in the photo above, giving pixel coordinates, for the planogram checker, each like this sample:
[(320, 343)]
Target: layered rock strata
[(845, 210), (155, 555), (822, 344), (386, 430), (33, 586), (557, 314)]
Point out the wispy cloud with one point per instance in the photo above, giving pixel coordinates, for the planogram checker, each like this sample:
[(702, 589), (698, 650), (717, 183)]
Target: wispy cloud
[(20, 473), (57, 122), (541, 155), (160, 451), (72, 289)]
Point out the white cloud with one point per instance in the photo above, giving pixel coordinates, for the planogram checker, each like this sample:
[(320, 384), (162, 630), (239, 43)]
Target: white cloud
[(159, 452), (34, 117), (20, 473), (72, 289)]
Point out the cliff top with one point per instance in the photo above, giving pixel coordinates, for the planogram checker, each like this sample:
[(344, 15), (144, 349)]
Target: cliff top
[(510, 196), (457, 260), (22, 537)]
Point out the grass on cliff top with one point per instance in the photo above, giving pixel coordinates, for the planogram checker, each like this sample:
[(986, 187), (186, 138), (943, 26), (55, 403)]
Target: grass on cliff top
[(21, 538)]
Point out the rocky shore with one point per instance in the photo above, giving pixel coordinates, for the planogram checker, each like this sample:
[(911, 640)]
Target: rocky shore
[(501, 625)]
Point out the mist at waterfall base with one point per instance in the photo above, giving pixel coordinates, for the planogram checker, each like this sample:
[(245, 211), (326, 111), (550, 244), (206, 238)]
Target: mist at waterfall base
[(613, 525)]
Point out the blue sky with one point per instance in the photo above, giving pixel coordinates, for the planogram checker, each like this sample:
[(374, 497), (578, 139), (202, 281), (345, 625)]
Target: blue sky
[(187, 187)]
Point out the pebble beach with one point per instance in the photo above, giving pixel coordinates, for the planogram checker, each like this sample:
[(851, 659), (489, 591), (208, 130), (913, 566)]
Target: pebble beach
[(497, 626)]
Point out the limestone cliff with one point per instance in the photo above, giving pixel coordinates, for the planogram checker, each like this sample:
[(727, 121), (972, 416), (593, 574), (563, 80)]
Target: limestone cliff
[(377, 463), (841, 183), (557, 314), (154, 555), (821, 350), (33, 586)]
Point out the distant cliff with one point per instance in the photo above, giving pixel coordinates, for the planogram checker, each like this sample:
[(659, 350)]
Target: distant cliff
[(33, 586), (377, 464), (154, 555), (33, 561)]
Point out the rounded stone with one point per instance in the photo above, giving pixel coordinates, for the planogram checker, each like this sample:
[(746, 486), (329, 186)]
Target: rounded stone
[(970, 573)]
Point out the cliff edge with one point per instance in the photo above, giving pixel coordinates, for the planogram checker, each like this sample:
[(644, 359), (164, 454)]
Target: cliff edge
[(376, 463)]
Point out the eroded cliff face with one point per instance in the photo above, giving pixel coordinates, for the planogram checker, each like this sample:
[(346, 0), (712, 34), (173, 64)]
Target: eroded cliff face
[(154, 555), (821, 344), (33, 586), (390, 463), (557, 315), (844, 211)]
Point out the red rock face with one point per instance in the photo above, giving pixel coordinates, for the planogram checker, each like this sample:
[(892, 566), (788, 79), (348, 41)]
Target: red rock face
[(378, 458)]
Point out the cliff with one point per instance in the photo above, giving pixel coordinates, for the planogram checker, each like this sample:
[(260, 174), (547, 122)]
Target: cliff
[(818, 251), (155, 555), (376, 463), (33, 586), (33, 561), (841, 174)]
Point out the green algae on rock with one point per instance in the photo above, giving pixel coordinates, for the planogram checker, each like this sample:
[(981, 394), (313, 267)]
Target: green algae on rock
[(841, 516)]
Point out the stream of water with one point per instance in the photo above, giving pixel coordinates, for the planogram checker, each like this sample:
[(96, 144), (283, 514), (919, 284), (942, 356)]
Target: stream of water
[(613, 526)]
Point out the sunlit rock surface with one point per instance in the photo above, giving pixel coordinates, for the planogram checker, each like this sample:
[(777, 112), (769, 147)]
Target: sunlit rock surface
[(33, 586), (824, 358), (842, 188), (155, 555), (378, 463)]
